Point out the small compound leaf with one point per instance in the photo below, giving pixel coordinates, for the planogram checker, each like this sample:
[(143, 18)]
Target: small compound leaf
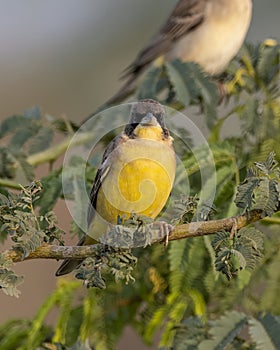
[(224, 330), (265, 332)]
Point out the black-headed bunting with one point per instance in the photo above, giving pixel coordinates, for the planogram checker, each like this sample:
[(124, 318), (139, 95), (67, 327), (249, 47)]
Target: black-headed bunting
[(136, 175)]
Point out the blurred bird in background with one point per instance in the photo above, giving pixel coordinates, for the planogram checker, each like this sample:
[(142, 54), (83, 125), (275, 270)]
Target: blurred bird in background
[(208, 32), (136, 175)]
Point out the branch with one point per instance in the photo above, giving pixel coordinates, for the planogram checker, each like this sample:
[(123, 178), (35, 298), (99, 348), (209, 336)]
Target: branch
[(49, 155), (52, 153), (193, 229), (271, 220), (10, 184)]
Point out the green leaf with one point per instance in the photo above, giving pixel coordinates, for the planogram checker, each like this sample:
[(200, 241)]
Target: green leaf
[(21, 136), (24, 170), (79, 345), (52, 190), (176, 75), (73, 324), (267, 197), (7, 163), (269, 166), (260, 188), (189, 334), (19, 220), (222, 177), (12, 334), (265, 331), (245, 193), (148, 87), (252, 236), (178, 254), (9, 282), (11, 124), (61, 326), (36, 334), (243, 250), (29, 242), (191, 85), (221, 241), (42, 140), (251, 119), (224, 330)]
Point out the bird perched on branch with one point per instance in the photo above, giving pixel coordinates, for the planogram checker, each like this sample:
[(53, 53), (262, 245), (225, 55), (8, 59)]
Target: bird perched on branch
[(136, 175), (208, 32)]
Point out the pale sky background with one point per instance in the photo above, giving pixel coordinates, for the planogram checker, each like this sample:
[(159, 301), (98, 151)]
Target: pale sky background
[(66, 56)]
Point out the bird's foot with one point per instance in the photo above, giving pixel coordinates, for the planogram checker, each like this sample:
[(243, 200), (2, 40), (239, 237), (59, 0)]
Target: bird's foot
[(163, 229)]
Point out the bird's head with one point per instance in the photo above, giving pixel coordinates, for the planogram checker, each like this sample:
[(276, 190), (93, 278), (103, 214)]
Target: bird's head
[(146, 118)]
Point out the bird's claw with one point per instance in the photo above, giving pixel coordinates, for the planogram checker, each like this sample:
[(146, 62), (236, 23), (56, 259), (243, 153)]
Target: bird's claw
[(163, 229)]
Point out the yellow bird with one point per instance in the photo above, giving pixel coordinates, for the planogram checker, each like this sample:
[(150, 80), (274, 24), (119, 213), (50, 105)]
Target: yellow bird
[(136, 175), (208, 32)]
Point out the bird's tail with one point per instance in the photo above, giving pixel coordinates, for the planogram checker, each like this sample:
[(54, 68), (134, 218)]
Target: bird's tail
[(68, 266), (125, 91)]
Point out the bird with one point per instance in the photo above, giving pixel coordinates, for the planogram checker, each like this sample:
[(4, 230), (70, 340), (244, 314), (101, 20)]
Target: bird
[(207, 32), (136, 175)]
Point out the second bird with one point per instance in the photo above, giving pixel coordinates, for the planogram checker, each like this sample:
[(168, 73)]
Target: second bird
[(208, 32)]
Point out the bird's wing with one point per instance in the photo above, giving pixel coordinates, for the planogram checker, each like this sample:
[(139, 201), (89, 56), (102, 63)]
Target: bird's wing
[(186, 15), (102, 172), (69, 265)]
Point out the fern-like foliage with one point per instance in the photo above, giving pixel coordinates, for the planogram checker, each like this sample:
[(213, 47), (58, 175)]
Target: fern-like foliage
[(189, 334), (187, 209), (13, 333), (186, 289), (186, 84), (260, 189), (224, 330), (31, 131), (27, 230), (23, 135), (226, 333), (20, 221), (9, 280), (237, 252), (191, 85), (119, 263), (265, 332)]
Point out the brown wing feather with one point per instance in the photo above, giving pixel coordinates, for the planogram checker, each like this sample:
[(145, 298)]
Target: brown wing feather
[(69, 265), (186, 15), (101, 174)]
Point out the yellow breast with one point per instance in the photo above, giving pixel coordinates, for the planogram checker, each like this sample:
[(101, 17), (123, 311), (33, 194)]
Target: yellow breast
[(139, 180)]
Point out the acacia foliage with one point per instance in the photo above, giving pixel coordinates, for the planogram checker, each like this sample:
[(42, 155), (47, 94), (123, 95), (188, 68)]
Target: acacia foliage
[(191, 290)]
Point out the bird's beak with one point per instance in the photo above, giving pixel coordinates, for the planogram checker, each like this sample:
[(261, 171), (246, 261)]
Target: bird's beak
[(149, 120)]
